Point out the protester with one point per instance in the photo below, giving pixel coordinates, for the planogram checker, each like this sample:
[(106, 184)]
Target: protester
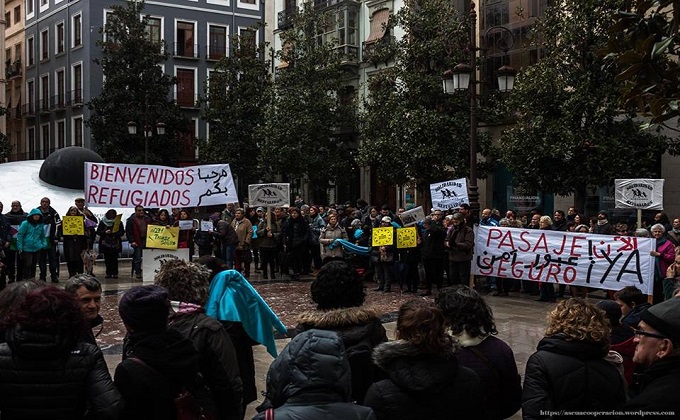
[(49, 256), (186, 235), (296, 239), (88, 292), (135, 232), (471, 322), (46, 372), (460, 241), (621, 337), (244, 231), (569, 370), (31, 239), (110, 243), (384, 260), (664, 255), (13, 262), (330, 233), (74, 244), (158, 362), (632, 303), (269, 234), (339, 296), (424, 379), (311, 379), (187, 285), (90, 221), (433, 239)]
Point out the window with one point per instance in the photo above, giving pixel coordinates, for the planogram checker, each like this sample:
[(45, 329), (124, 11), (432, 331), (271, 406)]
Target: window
[(77, 30), (29, 9), (30, 94), (185, 87), (60, 37), (61, 134), (217, 41), (45, 134), (31, 143), (44, 92), (78, 131), (17, 51), (185, 39), (17, 14), (248, 4), (8, 19), (30, 51), (249, 38), (44, 44), (61, 89), (77, 84), (44, 5), (153, 30)]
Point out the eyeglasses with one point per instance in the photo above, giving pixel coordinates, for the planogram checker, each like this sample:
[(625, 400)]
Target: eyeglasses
[(648, 334)]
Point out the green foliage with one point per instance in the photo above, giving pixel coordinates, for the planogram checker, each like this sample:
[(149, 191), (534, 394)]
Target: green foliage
[(236, 97), (644, 44), (135, 89), (411, 130), (5, 147), (569, 131), (312, 107)]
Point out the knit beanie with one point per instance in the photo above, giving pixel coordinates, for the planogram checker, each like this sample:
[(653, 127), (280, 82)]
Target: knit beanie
[(145, 308), (665, 318)]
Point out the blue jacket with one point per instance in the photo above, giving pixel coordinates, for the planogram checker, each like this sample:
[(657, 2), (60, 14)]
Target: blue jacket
[(31, 236), (232, 298)]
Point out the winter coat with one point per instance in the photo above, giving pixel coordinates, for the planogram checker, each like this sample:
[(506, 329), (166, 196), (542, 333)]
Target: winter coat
[(135, 229), (423, 385), (31, 236), (461, 241), (171, 364), (360, 330), (109, 243), (494, 362), (45, 376), (5, 231), (244, 231), (433, 242), (316, 225), (264, 240), (51, 218), (225, 233), (659, 386), (311, 380), (74, 245), (570, 375), (295, 232), (632, 319), (327, 236), (217, 361)]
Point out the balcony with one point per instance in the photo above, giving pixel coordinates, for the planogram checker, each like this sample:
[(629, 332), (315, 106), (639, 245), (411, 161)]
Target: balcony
[(377, 51), (323, 4), (215, 52), (285, 20), (74, 98), (185, 50), (13, 70), (29, 110)]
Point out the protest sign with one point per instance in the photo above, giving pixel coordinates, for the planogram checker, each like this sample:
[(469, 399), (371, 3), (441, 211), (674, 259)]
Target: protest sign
[(407, 237), (186, 224), (449, 194), (268, 195), (153, 259), (413, 216), (382, 236), (122, 185), (206, 226), (162, 237), (577, 259), (644, 194), (72, 225), (116, 223)]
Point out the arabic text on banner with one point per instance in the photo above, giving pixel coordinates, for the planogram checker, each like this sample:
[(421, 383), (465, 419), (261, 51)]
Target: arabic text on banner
[(449, 194), (72, 225), (601, 261), (382, 236), (268, 195), (162, 237), (121, 185), (644, 194)]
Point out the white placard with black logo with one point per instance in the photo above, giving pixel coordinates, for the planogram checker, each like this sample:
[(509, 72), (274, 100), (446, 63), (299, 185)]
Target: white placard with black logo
[(449, 194), (269, 195), (643, 194)]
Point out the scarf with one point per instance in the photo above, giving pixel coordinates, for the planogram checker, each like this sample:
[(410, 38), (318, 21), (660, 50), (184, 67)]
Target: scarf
[(108, 222), (602, 222), (185, 307)]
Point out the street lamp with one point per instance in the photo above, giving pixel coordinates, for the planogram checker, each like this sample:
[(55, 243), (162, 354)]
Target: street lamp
[(148, 129), (464, 77)]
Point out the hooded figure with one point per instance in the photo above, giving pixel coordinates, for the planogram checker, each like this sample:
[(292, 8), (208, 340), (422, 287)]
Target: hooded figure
[(311, 379)]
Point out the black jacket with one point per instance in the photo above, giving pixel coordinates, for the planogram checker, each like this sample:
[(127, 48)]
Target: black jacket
[(295, 232), (570, 375), (659, 385), (433, 242), (43, 376), (360, 330), (51, 218), (423, 385), (311, 380), (217, 361), (149, 391)]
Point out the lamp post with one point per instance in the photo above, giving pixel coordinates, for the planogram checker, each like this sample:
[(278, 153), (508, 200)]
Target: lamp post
[(148, 129), (464, 77)]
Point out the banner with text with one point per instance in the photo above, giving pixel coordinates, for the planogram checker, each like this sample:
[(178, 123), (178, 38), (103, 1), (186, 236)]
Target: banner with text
[(645, 194), (600, 261), (269, 195), (413, 216), (449, 194), (162, 237), (121, 185)]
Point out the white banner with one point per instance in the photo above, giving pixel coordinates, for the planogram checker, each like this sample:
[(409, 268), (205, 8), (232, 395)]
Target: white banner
[(449, 194), (152, 259), (413, 216), (600, 261), (269, 195), (121, 185), (645, 194)]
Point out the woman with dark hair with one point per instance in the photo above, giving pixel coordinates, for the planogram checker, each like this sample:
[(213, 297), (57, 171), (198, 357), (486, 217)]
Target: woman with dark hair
[(74, 245), (162, 218), (471, 322), (45, 372), (339, 295), (296, 239), (110, 242), (187, 286), (424, 379), (186, 233), (569, 371)]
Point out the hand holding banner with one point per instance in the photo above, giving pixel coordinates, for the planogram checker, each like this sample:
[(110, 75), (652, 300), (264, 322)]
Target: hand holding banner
[(162, 237), (72, 225), (383, 236)]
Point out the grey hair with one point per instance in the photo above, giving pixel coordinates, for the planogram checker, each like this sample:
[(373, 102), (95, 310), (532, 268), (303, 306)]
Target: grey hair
[(658, 226), (642, 233), (90, 282)]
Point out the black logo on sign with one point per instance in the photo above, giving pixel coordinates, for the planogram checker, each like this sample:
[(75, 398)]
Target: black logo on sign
[(268, 193), (638, 193), (446, 193)]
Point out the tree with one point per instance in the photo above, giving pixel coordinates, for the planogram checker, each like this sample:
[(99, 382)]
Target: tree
[(135, 89), (5, 147), (411, 130), (569, 131), (644, 42), (312, 108), (237, 95)]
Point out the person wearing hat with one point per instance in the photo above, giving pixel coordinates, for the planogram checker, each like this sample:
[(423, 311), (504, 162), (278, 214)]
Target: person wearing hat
[(603, 227), (91, 225), (658, 351), (460, 242)]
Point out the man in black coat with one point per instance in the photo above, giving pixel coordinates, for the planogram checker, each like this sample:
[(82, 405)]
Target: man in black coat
[(50, 218)]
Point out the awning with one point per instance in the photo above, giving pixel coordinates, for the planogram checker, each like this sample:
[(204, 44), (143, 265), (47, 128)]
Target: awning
[(378, 22)]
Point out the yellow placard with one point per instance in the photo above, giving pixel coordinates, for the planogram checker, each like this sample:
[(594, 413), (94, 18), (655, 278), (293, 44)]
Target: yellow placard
[(407, 237), (162, 237), (72, 225), (116, 223), (383, 236)]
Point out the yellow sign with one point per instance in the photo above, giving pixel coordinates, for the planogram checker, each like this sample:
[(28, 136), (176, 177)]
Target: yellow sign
[(72, 225), (383, 236), (407, 237), (161, 237), (116, 223)]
